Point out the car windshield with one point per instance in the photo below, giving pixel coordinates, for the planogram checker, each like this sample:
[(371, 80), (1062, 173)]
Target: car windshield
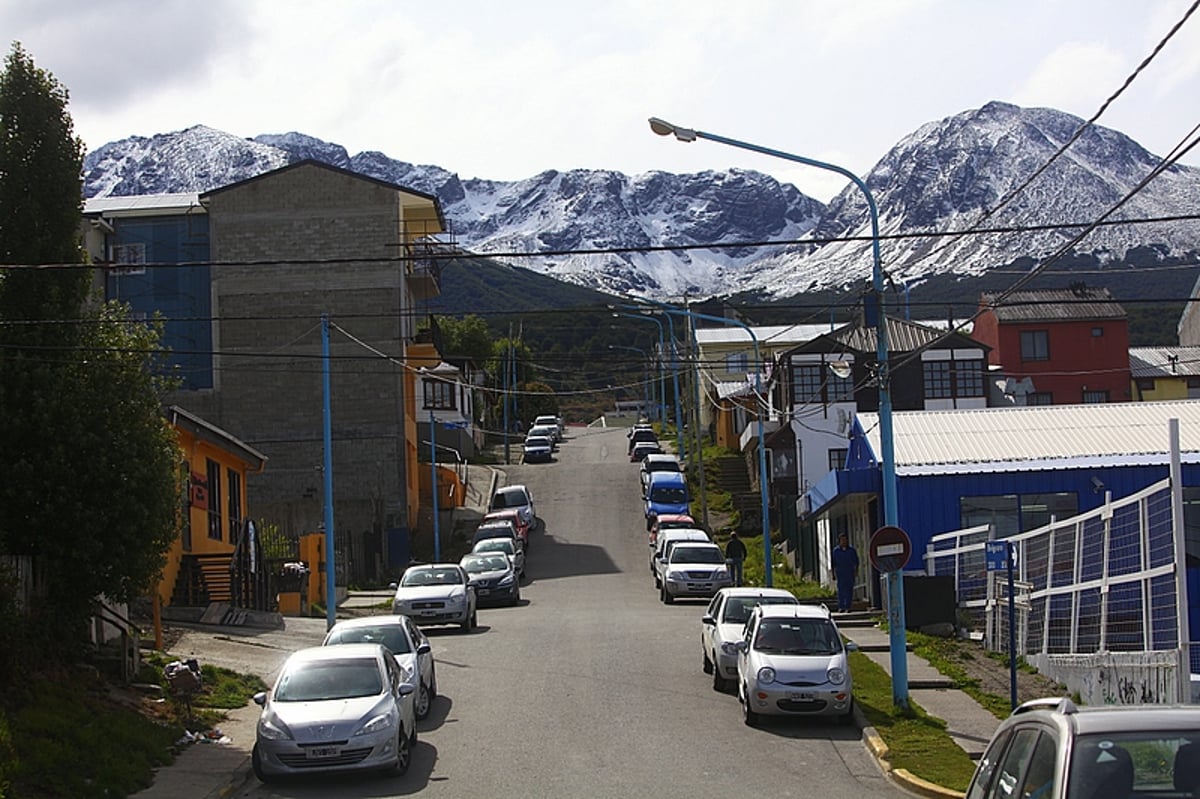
[(324, 680), (433, 576), (485, 563), (797, 637), (1148, 761), (537, 441), (392, 636), (495, 545), (509, 499), (669, 495), (737, 609), (697, 555), (662, 466)]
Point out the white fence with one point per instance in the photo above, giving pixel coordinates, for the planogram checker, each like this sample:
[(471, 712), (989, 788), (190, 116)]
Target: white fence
[(1087, 589)]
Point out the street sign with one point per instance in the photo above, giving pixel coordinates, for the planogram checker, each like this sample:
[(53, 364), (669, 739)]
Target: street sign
[(995, 554), (890, 549), (454, 425)]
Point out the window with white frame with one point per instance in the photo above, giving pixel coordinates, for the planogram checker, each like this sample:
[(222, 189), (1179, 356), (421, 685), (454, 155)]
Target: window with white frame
[(816, 383)]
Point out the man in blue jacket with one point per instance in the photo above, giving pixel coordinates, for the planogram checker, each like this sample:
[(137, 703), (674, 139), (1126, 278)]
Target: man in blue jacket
[(845, 568)]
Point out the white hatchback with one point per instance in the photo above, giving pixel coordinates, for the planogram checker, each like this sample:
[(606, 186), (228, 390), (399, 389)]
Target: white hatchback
[(724, 622)]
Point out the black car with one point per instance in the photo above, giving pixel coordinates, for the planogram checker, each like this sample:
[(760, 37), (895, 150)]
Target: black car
[(494, 576)]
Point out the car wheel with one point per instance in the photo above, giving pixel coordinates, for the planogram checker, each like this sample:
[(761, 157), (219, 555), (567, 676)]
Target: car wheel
[(708, 664), (666, 597), (718, 680), (403, 754), (424, 701), (468, 623), (516, 600), (256, 764), (432, 685), (748, 716)]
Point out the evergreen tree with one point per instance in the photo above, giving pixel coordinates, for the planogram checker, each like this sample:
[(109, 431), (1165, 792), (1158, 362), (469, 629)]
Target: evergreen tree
[(90, 488)]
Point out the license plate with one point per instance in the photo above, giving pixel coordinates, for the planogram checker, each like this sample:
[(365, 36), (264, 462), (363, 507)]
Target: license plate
[(799, 695), (319, 752), (483, 591), (431, 613)]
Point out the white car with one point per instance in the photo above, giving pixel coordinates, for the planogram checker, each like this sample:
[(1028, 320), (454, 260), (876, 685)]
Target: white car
[(663, 544), (335, 708), (550, 421), (408, 645), (516, 497), (547, 431), (693, 569), (436, 593), (538, 449), (792, 662), (725, 620)]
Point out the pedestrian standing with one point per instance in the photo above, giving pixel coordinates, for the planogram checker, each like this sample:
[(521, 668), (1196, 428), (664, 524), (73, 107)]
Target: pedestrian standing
[(845, 569), (735, 555)]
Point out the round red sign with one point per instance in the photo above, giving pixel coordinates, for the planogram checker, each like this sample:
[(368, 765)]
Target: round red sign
[(890, 549)]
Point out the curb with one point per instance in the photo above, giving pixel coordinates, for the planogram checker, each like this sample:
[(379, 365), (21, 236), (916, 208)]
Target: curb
[(240, 777), (876, 746)]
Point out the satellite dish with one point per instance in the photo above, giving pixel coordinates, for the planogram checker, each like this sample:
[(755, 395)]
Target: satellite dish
[(840, 369)]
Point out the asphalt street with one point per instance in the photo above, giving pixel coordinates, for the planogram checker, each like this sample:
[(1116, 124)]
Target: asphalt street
[(591, 687)]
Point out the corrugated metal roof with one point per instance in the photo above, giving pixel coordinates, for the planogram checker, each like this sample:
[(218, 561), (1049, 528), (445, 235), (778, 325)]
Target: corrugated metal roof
[(143, 204), (1164, 361), (1055, 305), (768, 335), (1039, 437), (903, 336), (732, 388)]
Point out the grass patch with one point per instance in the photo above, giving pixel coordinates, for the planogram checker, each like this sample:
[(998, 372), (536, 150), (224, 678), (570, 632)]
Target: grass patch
[(944, 655), (916, 741)]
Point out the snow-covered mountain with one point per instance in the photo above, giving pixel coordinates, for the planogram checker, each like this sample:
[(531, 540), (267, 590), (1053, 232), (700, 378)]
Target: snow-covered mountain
[(942, 178)]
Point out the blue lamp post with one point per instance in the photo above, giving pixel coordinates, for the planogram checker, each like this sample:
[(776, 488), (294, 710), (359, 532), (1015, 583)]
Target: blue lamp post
[(887, 456), (674, 368)]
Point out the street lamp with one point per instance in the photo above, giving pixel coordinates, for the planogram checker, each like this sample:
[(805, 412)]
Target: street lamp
[(887, 456), (674, 367), (646, 371)]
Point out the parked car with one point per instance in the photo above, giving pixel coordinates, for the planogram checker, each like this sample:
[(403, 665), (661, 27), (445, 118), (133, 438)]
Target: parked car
[(538, 449), (507, 546), (724, 622), (640, 435), (550, 421), (668, 521), (662, 547), (657, 462), (1051, 749), (494, 576), (515, 517), (667, 492), (335, 708), (642, 449), (497, 528), (408, 645), (693, 569), (791, 662), (436, 593), (546, 431), (518, 498)]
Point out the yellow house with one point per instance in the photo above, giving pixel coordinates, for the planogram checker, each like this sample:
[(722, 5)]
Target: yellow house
[(213, 507), (1164, 373)]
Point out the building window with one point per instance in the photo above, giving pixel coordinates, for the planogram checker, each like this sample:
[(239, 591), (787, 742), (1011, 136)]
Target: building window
[(737, 363), (937, 380), (235, 505), (968, 378), (953, 379), (1095, 397), (1039, 398), (440, 394), (817, 384), (1097, 332), (214, 499), (1010, 514), (1145, 383), (837, 459), (131, 259), (1035, 345)]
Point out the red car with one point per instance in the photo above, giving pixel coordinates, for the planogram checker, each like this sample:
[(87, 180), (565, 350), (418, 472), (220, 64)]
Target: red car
[(513, 516), (666, 522)]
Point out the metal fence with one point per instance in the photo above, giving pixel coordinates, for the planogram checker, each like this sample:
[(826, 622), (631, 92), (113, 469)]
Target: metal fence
[(1105, 582)]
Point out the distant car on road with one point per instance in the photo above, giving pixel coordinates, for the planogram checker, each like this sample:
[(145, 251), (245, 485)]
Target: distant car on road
[(657, 462), (538, 449), (494, 576), (518, 498), (642, 450), (693, 569), (667, 492), (515, 517), (506, 546), (725, 620), (662, 547), (335, 708), (436, 593), (1051, 749), (405, 641), (668, 521), (552, 422)]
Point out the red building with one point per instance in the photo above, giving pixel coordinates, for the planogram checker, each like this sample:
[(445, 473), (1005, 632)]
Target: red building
[(1057, 346)]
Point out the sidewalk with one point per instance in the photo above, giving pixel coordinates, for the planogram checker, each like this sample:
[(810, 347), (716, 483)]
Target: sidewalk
[(967, 722)]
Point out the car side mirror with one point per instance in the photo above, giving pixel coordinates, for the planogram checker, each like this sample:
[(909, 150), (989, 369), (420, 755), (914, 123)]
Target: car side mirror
[(405, 688), (709, 620), (733, 647), (392, 586), (851, 646), (260, 698), (424, 649)]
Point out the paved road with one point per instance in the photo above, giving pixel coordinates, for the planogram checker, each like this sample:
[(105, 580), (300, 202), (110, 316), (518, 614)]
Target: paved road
[(592, 687)]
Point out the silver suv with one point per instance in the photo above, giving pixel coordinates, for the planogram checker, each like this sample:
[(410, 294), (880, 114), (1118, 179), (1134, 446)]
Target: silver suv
[(1051, 749)]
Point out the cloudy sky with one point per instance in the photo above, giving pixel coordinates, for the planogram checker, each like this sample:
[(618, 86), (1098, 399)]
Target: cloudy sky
[(505, 90)]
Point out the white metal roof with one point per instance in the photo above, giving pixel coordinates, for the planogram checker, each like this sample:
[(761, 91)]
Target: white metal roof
[(1164, 361), (143, 204), (768, 335), (1038, 437)]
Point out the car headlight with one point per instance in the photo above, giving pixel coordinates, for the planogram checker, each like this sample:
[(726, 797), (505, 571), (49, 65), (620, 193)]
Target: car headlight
[(506, 580), (456, 599), (721, 574), (272, 729), (676, 575), (377, 724), (836, 676), (766, 674)]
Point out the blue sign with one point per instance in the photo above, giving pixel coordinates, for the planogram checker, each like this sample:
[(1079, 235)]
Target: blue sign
[(996, 555), (455, 425)]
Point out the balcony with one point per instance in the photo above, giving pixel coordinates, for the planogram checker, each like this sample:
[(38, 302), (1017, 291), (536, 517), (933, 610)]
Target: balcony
[(423, 258)]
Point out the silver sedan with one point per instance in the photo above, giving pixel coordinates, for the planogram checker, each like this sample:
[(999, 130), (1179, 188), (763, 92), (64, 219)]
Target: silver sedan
[(437, 593), (408, 645)]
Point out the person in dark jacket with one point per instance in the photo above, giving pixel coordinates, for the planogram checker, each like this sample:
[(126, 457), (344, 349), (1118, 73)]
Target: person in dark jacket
[(735, 554), (845, 569)]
